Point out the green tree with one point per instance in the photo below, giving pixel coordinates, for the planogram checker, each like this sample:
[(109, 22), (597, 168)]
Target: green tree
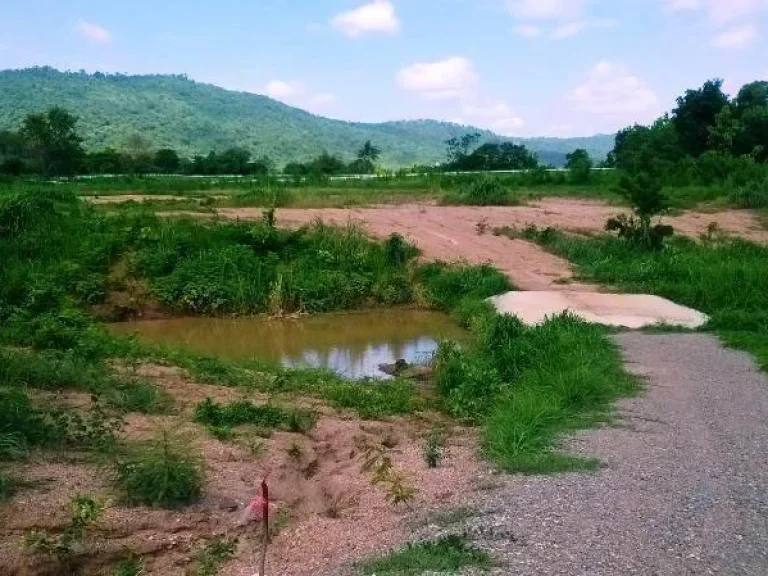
[(725, 131), (369, 152), (696, 113), (54, 145), (167, 160), (458, 148), (579, 164)]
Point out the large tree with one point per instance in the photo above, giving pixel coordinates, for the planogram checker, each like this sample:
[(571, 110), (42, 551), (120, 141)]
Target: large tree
[(53, 142), (696, 113)]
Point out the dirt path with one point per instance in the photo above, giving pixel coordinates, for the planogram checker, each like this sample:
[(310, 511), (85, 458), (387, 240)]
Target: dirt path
[(685, 484), (450, 233)]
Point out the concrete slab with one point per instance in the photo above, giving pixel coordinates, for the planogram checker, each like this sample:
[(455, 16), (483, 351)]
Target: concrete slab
[(621, 310)]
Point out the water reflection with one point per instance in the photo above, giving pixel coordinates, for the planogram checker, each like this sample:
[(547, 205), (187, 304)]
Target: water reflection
[(351, 344)]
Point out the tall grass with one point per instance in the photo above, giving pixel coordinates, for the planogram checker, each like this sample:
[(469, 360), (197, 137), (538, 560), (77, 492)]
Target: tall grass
[(725, 278)]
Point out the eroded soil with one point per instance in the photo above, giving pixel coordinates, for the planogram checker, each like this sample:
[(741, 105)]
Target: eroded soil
[(326, 510)]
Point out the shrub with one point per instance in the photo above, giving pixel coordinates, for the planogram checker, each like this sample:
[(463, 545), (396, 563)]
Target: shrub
[(481, 192), (644, 193), (752, 195), (161, 475)]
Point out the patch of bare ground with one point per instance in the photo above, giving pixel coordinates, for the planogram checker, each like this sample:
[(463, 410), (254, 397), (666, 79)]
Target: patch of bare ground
[(327, 512)]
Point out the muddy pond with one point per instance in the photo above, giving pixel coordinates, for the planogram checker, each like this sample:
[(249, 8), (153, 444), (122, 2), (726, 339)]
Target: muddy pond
[(352, 344)]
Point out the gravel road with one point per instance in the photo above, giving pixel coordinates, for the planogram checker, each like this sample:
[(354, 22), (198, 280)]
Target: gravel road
[(684, 489)]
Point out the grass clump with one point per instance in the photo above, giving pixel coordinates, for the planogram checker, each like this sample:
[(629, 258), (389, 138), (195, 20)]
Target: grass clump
[(211, 557), (448, 555), (754, 195), (7, 487), (161, 475), (266, 416), (480, 192), (528, 386), (130, 566)]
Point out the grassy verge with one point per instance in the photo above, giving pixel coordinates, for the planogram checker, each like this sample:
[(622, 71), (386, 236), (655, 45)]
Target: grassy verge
[(448, 555), (724, 278)]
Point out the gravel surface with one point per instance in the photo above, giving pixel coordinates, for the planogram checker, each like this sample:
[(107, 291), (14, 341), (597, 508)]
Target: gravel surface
[(684, 489)]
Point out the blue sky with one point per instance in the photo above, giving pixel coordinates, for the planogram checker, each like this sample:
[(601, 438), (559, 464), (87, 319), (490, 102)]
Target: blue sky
[(520, 67)]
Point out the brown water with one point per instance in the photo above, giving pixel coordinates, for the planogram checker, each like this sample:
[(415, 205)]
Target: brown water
[(351, 344)]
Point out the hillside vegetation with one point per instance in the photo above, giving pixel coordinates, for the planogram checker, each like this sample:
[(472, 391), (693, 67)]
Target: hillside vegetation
[(194, 118)]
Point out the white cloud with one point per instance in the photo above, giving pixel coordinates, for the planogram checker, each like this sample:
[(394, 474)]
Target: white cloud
[(528, 31), (496, 115), (378, 16), (93, 32), (281, 90), (445, 79), (296, 93), (576, 27), (737, 37), (614, 97), (720, 12), (546, 9)]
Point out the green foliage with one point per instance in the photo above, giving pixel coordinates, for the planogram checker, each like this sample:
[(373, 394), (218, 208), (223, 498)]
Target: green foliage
[(448, 555), (644, 193), (695, 113), (752, 195), (161, 475), (579, 165), (434, 447), (130, 566), (214, 555), (265, 416), (65, 546), (395, 483), (448, 286), (54, 146), (7, 487), (482, 192)]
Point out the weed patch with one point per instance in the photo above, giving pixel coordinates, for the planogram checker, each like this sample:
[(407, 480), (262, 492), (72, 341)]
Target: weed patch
[(221, 418), (448, 555), (214, 555), (161, 475)]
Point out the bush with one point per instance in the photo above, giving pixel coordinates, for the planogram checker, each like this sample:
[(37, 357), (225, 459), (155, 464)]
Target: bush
[(484, 191), (161, 475), (644, 193), (752, 195), (447, 286)]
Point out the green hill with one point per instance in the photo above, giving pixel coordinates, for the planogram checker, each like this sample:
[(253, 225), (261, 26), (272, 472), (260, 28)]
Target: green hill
[(194, 118)]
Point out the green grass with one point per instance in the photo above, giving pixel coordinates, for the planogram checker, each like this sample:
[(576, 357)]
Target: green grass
[(7, 487), (130, 566), (161, 474), (213, 555), (448, 555), (726, 279), (530, 386), (222, 418)]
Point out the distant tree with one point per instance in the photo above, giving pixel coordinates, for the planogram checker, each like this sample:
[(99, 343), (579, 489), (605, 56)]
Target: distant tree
[(495, 156), (725, 131), (137, 145), (233, 161), (296, 169), (369, 153), (11, 153), (326, 165), (361, 166), (579, 164), (696, 113), (751, 95), (654, 149), (458, 148), (167, 160), (108, 161), (53, 142)]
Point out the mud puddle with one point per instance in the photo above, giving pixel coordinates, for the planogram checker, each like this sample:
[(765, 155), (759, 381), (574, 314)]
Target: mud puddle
[(354, 345)]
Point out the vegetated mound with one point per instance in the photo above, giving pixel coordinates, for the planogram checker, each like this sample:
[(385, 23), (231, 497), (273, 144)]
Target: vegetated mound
[(193, 118)]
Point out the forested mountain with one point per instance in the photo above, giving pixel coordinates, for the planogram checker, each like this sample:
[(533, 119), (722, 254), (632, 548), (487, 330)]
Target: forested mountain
[(194, 118)]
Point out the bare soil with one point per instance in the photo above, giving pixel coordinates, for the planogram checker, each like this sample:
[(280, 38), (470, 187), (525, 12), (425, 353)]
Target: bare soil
[(450, 233), (328, 513)]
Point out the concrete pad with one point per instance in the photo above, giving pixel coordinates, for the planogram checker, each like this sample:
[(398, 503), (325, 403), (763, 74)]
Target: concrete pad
[(622, 310)]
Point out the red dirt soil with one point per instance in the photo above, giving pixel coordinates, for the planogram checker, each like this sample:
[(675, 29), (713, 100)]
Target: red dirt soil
[(450, 233)]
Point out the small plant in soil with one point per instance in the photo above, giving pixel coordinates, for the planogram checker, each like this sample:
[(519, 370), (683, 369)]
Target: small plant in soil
[(220, 418), (210, 558), (434, 448), (395, 483), (130, 566), (161, 475), (294, 451), (65, 546)]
